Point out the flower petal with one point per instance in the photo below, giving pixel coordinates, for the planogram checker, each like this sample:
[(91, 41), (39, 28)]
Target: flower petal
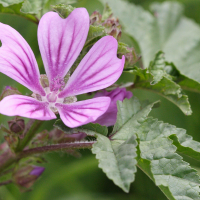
[(82, 112), (61, 41), (110, 116), (17, 59), (26, 107), (99, 69)]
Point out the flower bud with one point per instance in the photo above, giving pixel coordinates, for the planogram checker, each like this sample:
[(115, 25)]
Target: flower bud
[(95, 18), (110, 23), (110, 116), (112, 27), (25, 176), (16, 125), (37, 171), (130, 55), (8, 90)]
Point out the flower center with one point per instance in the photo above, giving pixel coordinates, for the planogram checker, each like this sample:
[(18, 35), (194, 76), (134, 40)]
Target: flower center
[(52, 97)]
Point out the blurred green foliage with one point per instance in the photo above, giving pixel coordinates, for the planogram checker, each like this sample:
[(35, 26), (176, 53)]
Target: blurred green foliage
[(191, 6), (68, 178)]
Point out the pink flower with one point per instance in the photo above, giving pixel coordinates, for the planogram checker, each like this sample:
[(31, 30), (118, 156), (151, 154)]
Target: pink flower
[(110, 116), (60, 42)]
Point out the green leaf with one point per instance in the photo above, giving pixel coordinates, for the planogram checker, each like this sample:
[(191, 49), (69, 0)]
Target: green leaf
[(47, 5), (185, 82), (167, 30), (117, 159), (157, 155), (15, 9), (89, 129), (7, 3), (156, 79), (122, 48), (160, 162), (63, 10), (31, 6), (184, 143), (156, 68), (130, 111), (95, 33), (61, 126)]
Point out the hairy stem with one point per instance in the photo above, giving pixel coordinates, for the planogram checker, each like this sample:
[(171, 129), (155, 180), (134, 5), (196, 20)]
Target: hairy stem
[(56, 147), (29, 132)]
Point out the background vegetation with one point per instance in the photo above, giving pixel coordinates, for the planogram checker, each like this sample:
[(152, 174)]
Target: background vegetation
[(69, 178)]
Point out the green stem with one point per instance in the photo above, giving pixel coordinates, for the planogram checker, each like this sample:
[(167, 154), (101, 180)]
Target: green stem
[(7, 163), (29, 133)]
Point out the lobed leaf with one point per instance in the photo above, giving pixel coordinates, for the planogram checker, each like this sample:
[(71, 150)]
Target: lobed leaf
[(7, 3), (15, 10), (164, 29), (63, 10), (158, 78), (117, 159), (165, 167), (157, 155), (130, 111), (157, 129), (30, 8), (117, 156)]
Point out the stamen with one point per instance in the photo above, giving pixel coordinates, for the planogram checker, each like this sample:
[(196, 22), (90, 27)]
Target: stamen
[(69, 100), (58, 84)]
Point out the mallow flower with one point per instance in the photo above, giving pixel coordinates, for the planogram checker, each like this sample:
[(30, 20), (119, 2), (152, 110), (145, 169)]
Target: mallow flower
[(110, 116), (60, 43)]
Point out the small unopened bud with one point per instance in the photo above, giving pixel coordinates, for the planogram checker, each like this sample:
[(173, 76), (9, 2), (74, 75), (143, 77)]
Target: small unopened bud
[(95, 18), (130, 54), (8, 90), (27, 175), (108, 21), (113, 33), (131, 57), (16, 125), (37, 171), (112, 27)]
